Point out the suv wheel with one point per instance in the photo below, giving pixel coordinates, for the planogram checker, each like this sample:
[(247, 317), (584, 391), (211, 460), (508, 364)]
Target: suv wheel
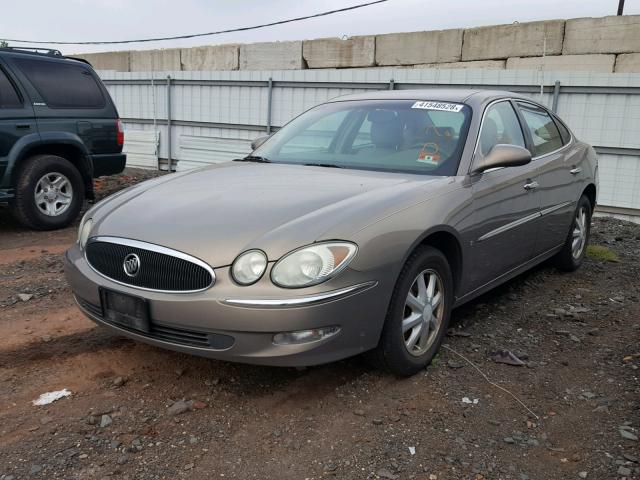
[(418, 314), (49, 193)]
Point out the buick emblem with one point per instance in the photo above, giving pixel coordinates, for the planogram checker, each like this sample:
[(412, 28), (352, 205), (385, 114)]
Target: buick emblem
[(131, 264)]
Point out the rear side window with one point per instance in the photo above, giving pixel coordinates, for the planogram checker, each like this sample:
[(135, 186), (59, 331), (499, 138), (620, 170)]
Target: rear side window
[(564, 131), (8, 96), (544, 133), (63, 85)]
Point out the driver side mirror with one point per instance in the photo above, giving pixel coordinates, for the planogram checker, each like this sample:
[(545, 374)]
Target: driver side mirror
[(502, 155), (259, 141)]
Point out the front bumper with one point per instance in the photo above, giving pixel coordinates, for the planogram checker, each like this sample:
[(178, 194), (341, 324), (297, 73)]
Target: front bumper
[(225, 322)]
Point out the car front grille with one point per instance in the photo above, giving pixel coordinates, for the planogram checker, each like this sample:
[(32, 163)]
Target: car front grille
[(159, 268), (166, 333)]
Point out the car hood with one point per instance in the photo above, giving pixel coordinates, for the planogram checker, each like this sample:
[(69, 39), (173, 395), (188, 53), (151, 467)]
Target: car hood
[(217, 212)]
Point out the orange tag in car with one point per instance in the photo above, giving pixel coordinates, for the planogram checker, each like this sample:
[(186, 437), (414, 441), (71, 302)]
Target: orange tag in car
[(429, 154)]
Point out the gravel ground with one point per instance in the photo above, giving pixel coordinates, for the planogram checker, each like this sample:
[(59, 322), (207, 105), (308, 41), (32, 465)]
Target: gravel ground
[(138, 412)]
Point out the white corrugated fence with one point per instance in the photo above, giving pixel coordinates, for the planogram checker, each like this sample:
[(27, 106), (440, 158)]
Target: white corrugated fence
[(215, 115)]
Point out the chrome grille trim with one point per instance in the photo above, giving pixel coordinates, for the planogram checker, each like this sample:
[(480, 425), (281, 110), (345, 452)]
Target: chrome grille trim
[(152, 247)]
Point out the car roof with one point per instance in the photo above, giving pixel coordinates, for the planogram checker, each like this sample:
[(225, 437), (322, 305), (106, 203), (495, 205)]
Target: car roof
[(459, 95), (49, 54)]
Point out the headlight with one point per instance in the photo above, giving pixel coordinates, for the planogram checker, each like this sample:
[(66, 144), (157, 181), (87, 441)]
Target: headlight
[(83, 232), (249, 267), (312, 265)]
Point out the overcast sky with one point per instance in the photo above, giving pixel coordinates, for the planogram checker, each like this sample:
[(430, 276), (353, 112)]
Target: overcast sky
[(74, 20)]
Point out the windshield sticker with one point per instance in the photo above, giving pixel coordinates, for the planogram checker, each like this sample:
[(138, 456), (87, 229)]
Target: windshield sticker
[(429, 154), (444, 107)]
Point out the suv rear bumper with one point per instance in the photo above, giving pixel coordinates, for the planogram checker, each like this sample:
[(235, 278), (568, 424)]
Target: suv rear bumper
[(108, 163)]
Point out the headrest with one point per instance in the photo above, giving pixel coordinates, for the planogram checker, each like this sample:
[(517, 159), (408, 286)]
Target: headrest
[(386, 129), (382, 116)]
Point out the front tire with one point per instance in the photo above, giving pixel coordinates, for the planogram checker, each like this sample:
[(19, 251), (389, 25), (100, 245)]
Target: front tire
[(418, 315), (49, 193), (574, 249)]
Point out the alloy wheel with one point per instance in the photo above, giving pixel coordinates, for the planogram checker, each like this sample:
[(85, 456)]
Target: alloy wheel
[(423, 312), (53, 194), (579, 234)]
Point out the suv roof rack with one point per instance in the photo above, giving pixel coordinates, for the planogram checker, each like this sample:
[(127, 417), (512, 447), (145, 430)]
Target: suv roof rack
[(34, 50)]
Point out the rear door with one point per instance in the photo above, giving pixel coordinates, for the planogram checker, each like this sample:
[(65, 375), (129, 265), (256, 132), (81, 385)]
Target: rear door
[(555, 162), (505, 201), (16, 118)]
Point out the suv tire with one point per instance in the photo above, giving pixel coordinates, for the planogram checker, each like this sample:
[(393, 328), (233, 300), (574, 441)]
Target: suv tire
[(430, 306), (49, 193)]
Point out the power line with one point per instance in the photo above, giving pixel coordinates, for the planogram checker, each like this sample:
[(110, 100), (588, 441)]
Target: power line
[(180, 37)]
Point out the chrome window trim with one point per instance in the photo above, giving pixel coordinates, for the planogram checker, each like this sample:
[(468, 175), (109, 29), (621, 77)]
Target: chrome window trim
[(301, 301), (154, 248)]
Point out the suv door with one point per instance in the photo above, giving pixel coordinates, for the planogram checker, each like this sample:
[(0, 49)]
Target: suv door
[(16, 119), (505, 201), (555, 165)]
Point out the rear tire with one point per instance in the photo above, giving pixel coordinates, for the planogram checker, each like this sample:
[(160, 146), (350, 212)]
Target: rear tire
[(575, 246), (409, 339), (49, 193)]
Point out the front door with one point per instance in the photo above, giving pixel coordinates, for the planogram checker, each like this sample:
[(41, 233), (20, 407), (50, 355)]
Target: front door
[(16, 120), (506, 202)]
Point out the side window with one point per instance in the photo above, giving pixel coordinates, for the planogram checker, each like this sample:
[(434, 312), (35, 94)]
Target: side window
[(500, 125), (544, 133), (8, 96), (63, 85), (317, 136), (564, 131)]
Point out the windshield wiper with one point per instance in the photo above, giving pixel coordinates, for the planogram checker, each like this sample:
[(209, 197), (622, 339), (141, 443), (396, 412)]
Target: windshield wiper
[(327, 165), (253, 158)]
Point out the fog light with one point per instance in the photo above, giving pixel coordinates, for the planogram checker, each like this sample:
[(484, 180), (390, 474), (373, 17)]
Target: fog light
[(304, 336)]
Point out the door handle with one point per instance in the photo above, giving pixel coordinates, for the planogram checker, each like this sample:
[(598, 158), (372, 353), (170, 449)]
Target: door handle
[(531, 185), (23, 126), (575, 170)]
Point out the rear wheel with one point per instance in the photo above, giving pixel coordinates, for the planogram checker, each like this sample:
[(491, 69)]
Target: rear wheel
[(49, 193), (418, 314), (575, 246)]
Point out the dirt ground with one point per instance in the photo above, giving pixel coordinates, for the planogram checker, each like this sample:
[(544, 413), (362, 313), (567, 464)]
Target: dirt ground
[(578, 333)]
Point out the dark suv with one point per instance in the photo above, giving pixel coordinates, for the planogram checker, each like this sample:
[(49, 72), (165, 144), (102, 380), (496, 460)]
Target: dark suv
[(59, 129)]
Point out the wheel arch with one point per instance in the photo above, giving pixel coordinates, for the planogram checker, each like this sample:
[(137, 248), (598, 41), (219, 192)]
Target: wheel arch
[(70, 149), (447, 240), (591, 193)]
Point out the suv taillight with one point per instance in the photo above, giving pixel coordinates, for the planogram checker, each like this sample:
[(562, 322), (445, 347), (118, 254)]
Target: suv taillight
[(120, 132)]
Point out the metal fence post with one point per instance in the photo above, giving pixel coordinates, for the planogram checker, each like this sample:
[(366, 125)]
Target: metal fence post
[(169, 123), (556, 94), (269, 102)]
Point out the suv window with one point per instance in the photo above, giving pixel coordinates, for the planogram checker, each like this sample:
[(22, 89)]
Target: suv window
[(500, 125), (544, 133), (63, 85), (8, 96)]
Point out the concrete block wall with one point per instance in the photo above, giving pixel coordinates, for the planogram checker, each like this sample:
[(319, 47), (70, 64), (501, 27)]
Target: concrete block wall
[(607, 44)]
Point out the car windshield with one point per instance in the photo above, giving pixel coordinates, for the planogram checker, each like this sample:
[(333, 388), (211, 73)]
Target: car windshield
[(423, 137)]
